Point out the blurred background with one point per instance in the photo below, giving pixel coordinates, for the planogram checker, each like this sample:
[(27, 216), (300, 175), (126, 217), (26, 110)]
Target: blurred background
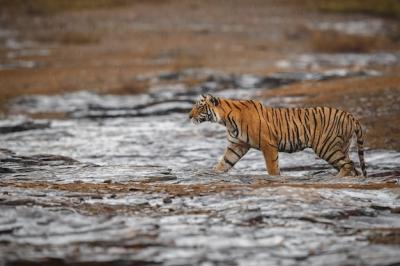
[(53, 47), (100, 165)]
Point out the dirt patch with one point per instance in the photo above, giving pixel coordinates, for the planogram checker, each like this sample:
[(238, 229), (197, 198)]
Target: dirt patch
[(90, 48), (331, 41), (386, 8), (389, 236), (180, 190), (71, 38), (141, 209), (133, 194), (48, 7)]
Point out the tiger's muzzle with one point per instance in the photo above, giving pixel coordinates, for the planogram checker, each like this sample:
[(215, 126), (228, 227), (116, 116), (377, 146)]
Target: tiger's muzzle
[(197, 118)]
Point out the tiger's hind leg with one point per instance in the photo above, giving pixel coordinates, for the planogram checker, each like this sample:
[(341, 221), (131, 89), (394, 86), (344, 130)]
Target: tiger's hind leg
[(338, 157), (347, 169), (345, 149)]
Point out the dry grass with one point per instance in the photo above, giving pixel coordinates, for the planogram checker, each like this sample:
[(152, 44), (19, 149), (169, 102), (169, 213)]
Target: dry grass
[(184, 60), (70, 37), (47, 7), (52, 81), (179, 190), (92, 57), (331, 41), (385, 236), (129, 87), (386, 8)]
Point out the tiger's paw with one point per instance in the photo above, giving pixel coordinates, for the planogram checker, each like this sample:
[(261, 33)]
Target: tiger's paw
[(348, 174), (219, 169), (348, 170)]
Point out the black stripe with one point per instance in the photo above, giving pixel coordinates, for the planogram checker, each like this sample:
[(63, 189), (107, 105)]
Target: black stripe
[(235, 131), (234, 152), (352, 123), (328, 159), (329, 146), (333, 124), (283, 132), (221, 105), (238, 107), (300, 129), (340, 127), (234, 142), (315, 125), (348, 123), (252, 102), (289, 131), (213, 113), (304, 119), (296, 130), (329, 136), (227, 102), (277, 123), (228, 162), (306, 115), (236, 127), (321, 133), (329, 118), (245, 105)]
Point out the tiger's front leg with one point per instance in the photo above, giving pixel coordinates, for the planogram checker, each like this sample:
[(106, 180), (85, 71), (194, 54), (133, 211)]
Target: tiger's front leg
[(233, 153), (271, 157)]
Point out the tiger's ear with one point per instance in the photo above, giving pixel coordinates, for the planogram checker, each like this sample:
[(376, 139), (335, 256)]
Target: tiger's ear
[(213, 100)]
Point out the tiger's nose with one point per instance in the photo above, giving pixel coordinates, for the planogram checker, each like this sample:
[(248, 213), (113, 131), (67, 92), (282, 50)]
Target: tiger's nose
[(190, 115)]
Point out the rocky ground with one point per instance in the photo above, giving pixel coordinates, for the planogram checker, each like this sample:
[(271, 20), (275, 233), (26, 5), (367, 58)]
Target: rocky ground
[(99, 163)]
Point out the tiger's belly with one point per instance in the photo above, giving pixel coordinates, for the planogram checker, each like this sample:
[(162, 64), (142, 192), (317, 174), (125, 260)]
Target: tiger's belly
[(291, 146)]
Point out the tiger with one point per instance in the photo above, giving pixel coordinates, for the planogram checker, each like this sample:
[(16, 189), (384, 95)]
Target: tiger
[(250, 124)]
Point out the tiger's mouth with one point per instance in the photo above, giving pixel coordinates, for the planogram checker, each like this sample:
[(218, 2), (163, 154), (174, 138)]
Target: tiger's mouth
[(198, 120)]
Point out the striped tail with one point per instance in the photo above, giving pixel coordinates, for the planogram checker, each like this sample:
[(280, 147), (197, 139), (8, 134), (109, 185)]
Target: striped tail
[(360, 143)]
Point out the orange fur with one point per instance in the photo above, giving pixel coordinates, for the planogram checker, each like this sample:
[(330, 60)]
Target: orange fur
[(249, 124)]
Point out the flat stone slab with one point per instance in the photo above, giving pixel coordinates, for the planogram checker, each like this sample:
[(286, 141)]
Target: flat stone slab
[(21, 124), (109, 185), (52, 206)]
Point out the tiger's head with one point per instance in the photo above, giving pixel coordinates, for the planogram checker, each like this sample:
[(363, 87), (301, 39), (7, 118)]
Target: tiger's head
[(205, 109)]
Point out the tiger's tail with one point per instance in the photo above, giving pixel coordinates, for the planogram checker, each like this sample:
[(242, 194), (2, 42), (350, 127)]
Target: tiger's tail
[(360, 143)]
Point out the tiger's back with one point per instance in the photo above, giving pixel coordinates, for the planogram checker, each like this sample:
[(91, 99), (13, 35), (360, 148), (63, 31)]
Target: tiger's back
[(328, 131), (249, 124), (299, 128)]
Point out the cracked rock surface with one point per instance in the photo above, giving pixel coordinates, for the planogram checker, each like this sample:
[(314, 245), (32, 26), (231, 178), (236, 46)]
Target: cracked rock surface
[(127, 180)]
